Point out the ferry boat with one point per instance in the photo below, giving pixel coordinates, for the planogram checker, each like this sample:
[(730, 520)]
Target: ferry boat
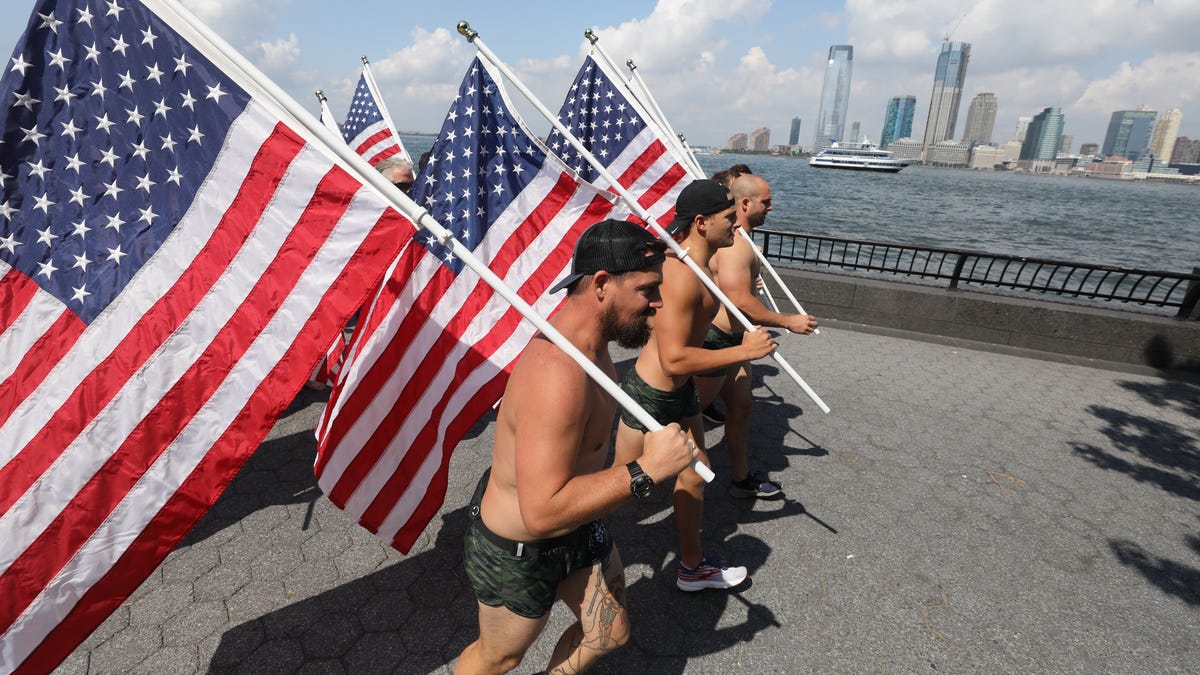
[(864, 156)]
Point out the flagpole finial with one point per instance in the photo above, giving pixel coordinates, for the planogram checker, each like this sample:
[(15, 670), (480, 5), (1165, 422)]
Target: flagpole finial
[(320, 95), (465, 30), (591, 35), (632, 66), (364, 59)]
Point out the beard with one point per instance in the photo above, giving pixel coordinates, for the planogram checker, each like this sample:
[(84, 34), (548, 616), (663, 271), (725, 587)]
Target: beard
[(630, 335)]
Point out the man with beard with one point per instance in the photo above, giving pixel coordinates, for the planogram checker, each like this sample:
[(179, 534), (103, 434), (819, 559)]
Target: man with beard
[(661, 379), (535, 533), (735, 269)]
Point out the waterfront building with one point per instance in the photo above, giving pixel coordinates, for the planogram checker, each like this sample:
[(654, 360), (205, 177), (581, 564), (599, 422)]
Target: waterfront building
[(990, 156), (947, 153), (855, 132), (948, 82), (1043, 135), (906, 148), (736, 142), (1162, 142), (1064, 146), (1089, 149), (835, 97), (1186, 151), (897, 121), (1129, 133), (760, 139), (794, 136), (1111, 167), (1022, 126), (981, 120)]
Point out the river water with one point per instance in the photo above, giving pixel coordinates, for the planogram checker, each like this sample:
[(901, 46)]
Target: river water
[(1154, 226)]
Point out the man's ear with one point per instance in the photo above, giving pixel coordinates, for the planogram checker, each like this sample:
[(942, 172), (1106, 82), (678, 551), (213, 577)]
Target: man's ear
[(600, 283)]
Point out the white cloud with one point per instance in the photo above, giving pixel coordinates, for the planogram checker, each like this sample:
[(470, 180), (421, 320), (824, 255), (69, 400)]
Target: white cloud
[(280, 54)]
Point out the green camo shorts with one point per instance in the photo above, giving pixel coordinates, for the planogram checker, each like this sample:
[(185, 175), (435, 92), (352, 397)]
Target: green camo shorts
[(719, 339), (527, 584), (664, 406)]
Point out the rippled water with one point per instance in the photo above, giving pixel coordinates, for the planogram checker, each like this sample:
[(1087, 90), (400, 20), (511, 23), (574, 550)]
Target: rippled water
[(1123, 223)]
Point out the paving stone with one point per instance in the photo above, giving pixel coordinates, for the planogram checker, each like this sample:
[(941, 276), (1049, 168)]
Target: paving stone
[(896, 551)]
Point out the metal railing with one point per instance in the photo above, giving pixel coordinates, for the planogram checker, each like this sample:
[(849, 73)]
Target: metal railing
[(956, 266)]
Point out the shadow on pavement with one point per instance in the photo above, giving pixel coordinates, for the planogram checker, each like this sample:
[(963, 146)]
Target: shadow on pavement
[(1157, 453)]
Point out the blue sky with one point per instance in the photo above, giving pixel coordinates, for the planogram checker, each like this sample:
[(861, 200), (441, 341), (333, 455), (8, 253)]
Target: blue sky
[(722, 66)]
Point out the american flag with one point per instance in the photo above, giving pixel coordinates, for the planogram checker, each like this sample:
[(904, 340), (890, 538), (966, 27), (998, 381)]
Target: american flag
[(175, 254), (367, 129), (614, 129), (417, 380)]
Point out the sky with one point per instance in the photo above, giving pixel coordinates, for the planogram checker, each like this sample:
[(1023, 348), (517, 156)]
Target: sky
[(718, 67)]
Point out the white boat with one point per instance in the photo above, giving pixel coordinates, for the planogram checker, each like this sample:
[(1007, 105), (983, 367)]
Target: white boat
[(864, 156)]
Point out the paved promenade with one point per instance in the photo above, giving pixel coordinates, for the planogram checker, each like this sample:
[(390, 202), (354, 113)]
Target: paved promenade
[(958, 510)]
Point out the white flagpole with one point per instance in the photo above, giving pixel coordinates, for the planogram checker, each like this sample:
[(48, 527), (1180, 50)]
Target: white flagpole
[(327, 114), (277, 99), (685, 155), (654, 115), (774, 275), (473, 37), (387, 116)]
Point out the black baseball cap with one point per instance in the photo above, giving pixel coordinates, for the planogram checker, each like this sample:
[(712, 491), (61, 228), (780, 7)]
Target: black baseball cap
[(700, 198), (614, 246)]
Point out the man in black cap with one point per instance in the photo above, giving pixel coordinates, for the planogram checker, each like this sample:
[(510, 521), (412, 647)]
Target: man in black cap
[(535, 533), (662, 378)]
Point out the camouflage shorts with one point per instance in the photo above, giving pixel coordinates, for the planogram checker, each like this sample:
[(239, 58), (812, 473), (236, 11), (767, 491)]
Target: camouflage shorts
[(719, 339), (527, 584), (664, 406)]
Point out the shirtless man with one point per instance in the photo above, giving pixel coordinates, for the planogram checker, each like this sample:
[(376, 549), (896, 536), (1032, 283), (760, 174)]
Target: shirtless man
[(661, 380), (535, 534), (736, 268)]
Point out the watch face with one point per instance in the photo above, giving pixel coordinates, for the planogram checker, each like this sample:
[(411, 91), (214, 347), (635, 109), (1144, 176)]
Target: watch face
[(642, 486)]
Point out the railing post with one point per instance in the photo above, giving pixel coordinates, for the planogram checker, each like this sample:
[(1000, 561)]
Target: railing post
[(958, 268), (1188, 310)]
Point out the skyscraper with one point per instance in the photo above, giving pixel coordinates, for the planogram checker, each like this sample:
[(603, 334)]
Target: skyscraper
[(794, 137), (1129, 133), (855, 132), (1165, 132), (1022, 126), (981, 120), (835, 97), (760, 139), (737, 142), (897, 121), (1043, 135), (948, 82)]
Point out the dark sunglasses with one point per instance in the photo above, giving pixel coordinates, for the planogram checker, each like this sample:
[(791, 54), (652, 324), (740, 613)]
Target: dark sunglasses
[(404, 186)]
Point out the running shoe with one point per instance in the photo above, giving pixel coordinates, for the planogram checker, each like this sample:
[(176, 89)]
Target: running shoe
[(713, 413), (756, 485), (710, 573)]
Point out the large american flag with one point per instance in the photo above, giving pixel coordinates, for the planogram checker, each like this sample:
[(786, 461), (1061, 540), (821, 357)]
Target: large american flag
[(614, 129), (367, 129), (175, 253), (416, 380)]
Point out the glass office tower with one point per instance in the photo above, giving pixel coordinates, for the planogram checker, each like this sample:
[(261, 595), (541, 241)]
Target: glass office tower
[(835, 97), (897, 121), (948, 82)]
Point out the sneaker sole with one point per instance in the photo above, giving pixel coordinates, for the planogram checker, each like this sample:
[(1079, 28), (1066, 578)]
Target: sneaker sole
[(702, 584)]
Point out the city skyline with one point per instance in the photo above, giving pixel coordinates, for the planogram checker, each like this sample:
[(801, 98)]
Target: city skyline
[(949, 80), (719, 65)]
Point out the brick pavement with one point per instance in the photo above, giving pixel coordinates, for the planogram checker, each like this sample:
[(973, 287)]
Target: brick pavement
[(959, 510)]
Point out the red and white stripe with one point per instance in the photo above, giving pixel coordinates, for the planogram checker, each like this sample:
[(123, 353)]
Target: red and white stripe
[(433, 354), (115, 437), (648, 170), (376, 143)]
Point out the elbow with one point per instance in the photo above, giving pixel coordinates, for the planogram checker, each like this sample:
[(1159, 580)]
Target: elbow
[(541, 525)]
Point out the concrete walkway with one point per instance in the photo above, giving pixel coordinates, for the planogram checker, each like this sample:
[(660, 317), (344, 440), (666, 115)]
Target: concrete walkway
[(958, 511)]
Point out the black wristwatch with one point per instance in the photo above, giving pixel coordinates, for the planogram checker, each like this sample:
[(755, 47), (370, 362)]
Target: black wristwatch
[(639, 483)]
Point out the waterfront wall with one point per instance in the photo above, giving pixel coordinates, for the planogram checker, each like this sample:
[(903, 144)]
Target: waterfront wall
[(1062, 328)]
